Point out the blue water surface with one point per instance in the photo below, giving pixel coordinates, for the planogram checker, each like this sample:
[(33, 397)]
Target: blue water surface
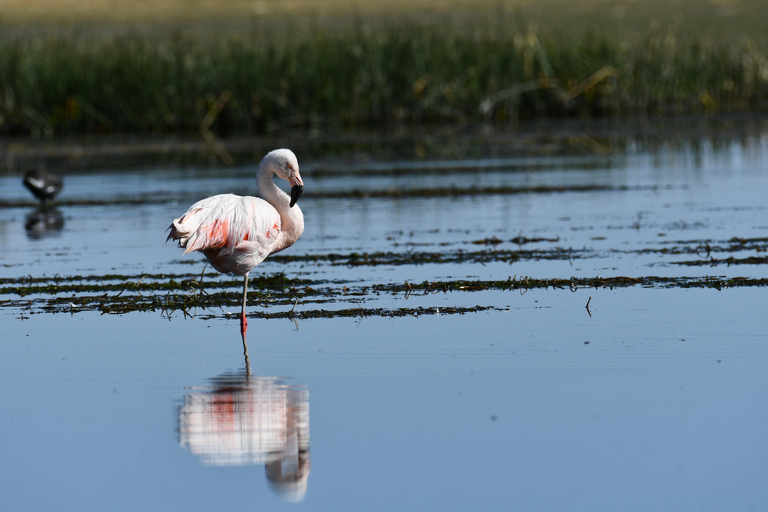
[(647, 399)]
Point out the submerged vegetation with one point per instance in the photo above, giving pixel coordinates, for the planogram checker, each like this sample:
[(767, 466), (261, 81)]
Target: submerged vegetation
[(392, 193), (187, 295), (280, 296), (249, 82)]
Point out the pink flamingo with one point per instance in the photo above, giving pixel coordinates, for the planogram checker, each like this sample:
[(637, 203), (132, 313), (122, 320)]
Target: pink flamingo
[(236, 233)]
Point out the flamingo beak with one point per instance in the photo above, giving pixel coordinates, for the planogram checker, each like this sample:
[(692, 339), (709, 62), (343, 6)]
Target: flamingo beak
[(296, 189)]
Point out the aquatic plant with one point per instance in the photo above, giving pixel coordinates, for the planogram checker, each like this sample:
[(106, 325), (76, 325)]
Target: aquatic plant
[(280, 296), (308, 299)]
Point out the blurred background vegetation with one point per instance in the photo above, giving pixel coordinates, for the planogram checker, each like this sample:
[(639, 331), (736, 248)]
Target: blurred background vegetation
[(227, 67)]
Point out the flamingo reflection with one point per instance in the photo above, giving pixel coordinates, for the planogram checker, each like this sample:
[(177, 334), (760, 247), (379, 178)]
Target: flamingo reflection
[(243, 420)]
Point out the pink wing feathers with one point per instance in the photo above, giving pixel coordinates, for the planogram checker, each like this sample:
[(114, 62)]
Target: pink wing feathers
[(235, 233)]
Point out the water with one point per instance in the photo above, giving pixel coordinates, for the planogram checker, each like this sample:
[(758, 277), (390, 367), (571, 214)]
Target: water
[(653, 398)]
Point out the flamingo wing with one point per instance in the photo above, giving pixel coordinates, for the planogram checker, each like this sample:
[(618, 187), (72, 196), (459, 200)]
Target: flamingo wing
[(228, 223)]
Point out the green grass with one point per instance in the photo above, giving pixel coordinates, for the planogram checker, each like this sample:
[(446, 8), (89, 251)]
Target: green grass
[(245, 83)]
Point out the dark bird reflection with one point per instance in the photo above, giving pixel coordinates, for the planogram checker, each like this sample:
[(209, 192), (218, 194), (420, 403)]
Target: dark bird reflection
[(43, 222), (243, 420)]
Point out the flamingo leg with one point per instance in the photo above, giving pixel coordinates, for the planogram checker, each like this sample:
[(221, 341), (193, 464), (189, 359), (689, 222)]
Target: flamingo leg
[(243, 320)]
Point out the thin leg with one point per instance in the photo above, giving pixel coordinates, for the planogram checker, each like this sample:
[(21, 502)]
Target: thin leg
[(243, 320)]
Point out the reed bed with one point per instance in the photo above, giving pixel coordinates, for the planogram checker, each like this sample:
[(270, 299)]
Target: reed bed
[(398, 74)]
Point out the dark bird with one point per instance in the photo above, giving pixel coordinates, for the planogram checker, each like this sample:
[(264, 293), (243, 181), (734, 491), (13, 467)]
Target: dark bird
[(44, 185)]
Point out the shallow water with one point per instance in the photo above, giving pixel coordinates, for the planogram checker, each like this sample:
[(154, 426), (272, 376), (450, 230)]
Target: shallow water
[(653, 397)]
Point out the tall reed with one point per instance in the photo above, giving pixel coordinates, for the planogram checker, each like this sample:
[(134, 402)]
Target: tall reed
[(247, 83)]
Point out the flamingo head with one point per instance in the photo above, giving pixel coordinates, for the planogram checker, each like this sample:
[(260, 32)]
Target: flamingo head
[(284, 163)]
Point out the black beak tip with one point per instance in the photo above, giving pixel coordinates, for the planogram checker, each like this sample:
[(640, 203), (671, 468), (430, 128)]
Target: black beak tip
[(296, 191)]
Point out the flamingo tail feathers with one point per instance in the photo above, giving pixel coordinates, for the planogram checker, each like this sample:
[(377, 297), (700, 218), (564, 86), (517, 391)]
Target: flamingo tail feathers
[(193, 234)]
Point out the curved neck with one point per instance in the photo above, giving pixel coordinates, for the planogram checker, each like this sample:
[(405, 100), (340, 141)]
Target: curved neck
[(271, 192), (292, 219)]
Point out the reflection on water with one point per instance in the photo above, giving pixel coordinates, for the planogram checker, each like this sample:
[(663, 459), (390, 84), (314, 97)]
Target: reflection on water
[(243, 420), (44, 222)]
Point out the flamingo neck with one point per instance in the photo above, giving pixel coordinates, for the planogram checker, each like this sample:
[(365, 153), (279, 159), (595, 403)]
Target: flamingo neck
[(291, 219)]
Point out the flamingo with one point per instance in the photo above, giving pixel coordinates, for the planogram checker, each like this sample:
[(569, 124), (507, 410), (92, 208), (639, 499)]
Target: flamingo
[(236, 233)]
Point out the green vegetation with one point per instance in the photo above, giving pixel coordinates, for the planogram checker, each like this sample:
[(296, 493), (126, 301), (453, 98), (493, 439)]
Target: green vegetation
[(188, 295), (278, 295), (383, 75)]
